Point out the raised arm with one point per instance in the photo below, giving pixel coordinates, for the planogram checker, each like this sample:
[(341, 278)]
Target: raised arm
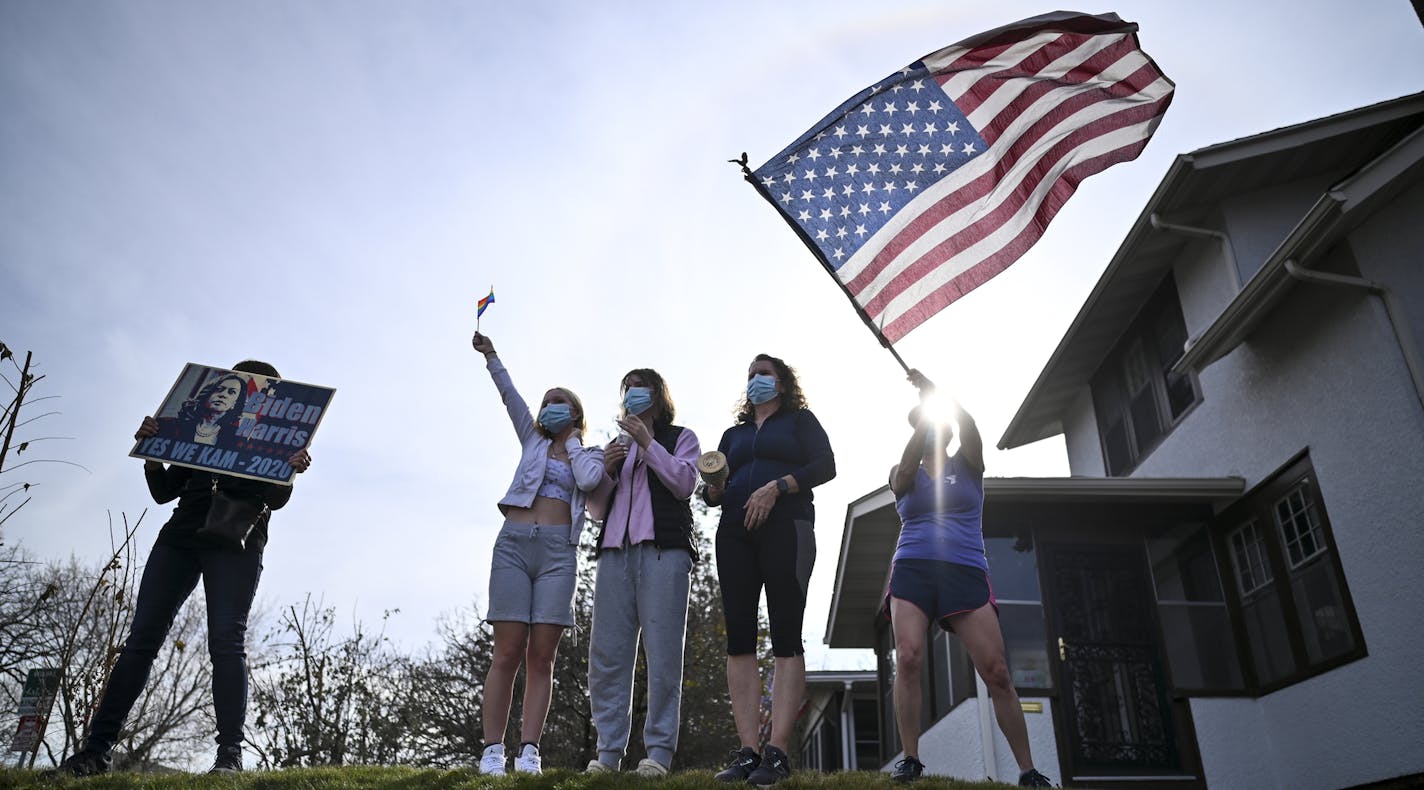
[(971, 445), (902, 475), (518, 410)]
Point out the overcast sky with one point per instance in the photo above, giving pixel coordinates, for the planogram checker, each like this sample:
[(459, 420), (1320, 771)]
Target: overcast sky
[(329, 186)]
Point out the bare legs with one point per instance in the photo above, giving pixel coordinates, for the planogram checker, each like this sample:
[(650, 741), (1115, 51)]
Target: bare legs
[(911, 626), (979, 630), (788, 689), (744, 685), (515, 644)]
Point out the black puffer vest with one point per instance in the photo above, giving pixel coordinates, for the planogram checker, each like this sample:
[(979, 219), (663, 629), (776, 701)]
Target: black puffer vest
[(672, 517)]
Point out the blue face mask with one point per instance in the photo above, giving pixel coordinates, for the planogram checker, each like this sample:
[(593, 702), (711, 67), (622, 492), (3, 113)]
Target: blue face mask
[(555, 417), (638, 400), (761, 388)]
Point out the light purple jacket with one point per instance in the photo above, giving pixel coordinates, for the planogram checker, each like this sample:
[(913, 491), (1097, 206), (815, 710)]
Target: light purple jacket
[(586, 462), (630, 514)]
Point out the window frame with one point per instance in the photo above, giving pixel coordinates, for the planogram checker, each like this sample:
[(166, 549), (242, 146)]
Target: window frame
[(1258, 505), (1107, 381)]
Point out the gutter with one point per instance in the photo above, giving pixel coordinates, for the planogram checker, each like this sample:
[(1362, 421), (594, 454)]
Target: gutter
[(1393, 310), (1259, 294), (1187, 230)]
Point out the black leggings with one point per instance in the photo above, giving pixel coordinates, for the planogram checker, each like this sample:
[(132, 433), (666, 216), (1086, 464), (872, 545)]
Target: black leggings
[(778, 556)]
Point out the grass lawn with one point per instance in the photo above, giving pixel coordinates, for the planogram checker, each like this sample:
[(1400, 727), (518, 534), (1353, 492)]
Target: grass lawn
[(364, 777)]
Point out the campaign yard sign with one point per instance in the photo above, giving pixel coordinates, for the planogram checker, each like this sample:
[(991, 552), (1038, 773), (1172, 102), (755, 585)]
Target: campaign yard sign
[(35, 703), (235, 423)]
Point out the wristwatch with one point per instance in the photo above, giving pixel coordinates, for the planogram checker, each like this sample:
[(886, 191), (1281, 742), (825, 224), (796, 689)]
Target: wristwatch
[(783, 486)]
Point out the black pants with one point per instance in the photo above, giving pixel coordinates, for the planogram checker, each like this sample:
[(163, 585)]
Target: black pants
[(778, 556), (230, 583)]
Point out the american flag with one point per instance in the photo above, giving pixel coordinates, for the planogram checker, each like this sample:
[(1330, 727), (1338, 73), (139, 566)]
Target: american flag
[(928, 183)]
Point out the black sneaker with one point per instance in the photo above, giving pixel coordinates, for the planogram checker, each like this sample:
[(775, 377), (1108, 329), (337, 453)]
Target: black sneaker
[(1032, 778), (775, 766), (908, 770), (744, 761), (86, 763), (229, 760)]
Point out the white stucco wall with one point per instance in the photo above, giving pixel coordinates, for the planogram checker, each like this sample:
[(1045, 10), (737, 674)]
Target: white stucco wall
[(1390, 250), (953, 746), (1325, 374), (1258, 221), (1080, 437), (1238, 756)]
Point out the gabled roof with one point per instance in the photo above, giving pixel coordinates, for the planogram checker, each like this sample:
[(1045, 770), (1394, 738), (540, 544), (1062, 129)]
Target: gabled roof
[(1195, 183), (1010, 503)]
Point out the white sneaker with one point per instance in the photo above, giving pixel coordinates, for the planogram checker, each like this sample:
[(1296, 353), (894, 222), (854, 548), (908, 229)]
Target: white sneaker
[(596, 767), (527, 761), (650, 767), (492, 761)]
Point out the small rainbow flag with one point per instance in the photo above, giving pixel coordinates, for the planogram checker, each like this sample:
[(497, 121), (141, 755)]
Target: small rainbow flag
[(483, 303)]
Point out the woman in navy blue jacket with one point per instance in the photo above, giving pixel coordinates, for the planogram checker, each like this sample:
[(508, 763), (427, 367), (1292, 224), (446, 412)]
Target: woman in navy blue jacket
[(776, 453)]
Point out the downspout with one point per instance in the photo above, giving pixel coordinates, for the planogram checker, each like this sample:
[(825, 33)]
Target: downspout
[(1209, 233), (1392, 310), (986, 728), (847, 730)]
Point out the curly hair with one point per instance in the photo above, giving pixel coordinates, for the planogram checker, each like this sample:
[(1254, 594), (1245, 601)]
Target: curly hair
[(662, 399), (191, 412), (791, 395)]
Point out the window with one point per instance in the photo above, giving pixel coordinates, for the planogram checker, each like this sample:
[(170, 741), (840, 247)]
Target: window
[(1136, 396), (1014, 566), (1195, 620), (1293, 608)]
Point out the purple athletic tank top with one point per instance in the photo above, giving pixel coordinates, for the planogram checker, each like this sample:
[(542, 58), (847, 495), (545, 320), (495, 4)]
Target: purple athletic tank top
[(944, 519)]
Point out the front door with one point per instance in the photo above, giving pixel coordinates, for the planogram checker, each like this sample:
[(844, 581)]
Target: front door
[(1115, 708)]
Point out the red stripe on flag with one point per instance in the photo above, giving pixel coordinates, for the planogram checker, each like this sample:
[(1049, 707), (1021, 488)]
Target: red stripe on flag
[(976, 276), (944, 252), (985, 183)]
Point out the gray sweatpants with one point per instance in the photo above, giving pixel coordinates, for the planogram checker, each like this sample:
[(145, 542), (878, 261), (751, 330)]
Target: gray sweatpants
[(638, 589)]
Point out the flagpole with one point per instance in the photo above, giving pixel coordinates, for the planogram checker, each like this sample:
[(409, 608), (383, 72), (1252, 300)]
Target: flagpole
[(816, 251)]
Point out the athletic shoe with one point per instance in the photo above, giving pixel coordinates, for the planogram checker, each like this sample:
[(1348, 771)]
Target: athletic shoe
[(1032, 778), (527, 761), (650, 767), (775, 766), (229, 760), (86, 763), (492, 761), (744, 761), (908, 770), (596, 767)]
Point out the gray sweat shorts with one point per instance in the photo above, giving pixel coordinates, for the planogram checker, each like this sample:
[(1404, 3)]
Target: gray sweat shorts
[(533, 576)]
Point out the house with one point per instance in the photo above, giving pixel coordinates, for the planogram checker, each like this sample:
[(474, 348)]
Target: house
[(839, 726), (1227, 590)]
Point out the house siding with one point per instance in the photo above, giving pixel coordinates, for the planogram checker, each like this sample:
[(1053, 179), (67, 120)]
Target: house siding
[(1258, 221), (1080, 435), (952, 746), (1389, 249), (1324, 374)]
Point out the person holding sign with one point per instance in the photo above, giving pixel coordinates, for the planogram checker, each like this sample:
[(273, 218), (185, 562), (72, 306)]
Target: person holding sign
[(645, 557), (775, 454), (939, 572), (533, 573), (183, 553)]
